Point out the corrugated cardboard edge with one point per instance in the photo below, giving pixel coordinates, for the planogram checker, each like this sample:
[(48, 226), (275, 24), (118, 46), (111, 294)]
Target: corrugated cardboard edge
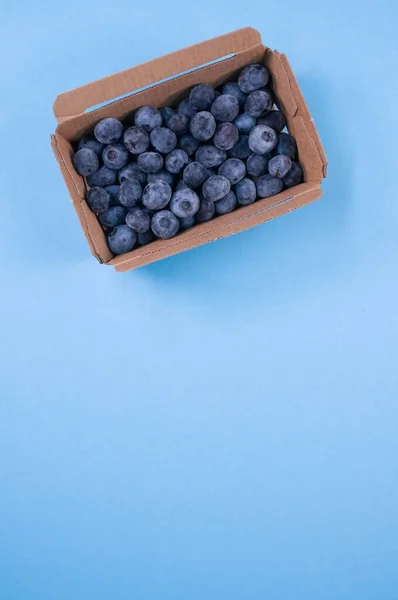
[(246, 218), (294, 106), (92, 229), (75, 101)]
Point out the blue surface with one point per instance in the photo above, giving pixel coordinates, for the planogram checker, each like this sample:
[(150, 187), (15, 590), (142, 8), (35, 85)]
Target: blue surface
[(222, 424)]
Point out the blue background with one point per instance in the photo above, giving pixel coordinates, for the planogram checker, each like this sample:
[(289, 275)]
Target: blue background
[(222, 424)]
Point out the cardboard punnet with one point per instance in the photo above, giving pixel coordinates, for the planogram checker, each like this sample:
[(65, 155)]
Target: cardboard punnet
[(231, 52)]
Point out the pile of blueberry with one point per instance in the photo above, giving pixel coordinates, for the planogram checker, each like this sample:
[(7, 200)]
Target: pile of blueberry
[(173, 168)]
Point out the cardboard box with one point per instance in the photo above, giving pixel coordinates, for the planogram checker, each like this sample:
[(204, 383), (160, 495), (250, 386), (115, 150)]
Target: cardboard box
[(233, 51)]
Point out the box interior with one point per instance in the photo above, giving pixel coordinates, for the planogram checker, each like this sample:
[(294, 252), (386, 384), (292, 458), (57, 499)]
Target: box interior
[(288, 99)]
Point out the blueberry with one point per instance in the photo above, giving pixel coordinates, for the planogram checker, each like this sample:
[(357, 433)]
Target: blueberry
[(201, 96), (165, 224), (156, 195), (184, 203), (245, 191), (179, 123), (194, 174), (216, 187), (89, 141), (121, 239), (226, 204), (210, 156), (130, 193), (241, 148), (233, 89), (206, 211), (253, 77), (163, 175), (244, 123), (148, 117), (86, 162), (189, 144), (138, 220), (279, 166), (226, 136), (286, 145), (294, 176), (132, 171), (187, 223), (257, 164), (176, 160), (185, 108), (103, 177), (269, 91), (262, 139), (166, 113), (233, 169), (225, 108), (113, 191), (258, 103), (114, 216), (268, 186), (163, 140), (202, 126), (136, 140), (108, 131), (150, 162), (115, 156), (98, 199), (273, 119), (145, 238)]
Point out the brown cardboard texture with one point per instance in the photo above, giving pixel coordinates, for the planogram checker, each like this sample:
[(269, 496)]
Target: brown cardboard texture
[(231, 52)]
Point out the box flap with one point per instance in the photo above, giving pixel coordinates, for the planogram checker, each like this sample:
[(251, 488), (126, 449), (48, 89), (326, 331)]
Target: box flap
[(167, 93), (245, 218), (293, 105), (92, 229), (309, 155), (76, 101)]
